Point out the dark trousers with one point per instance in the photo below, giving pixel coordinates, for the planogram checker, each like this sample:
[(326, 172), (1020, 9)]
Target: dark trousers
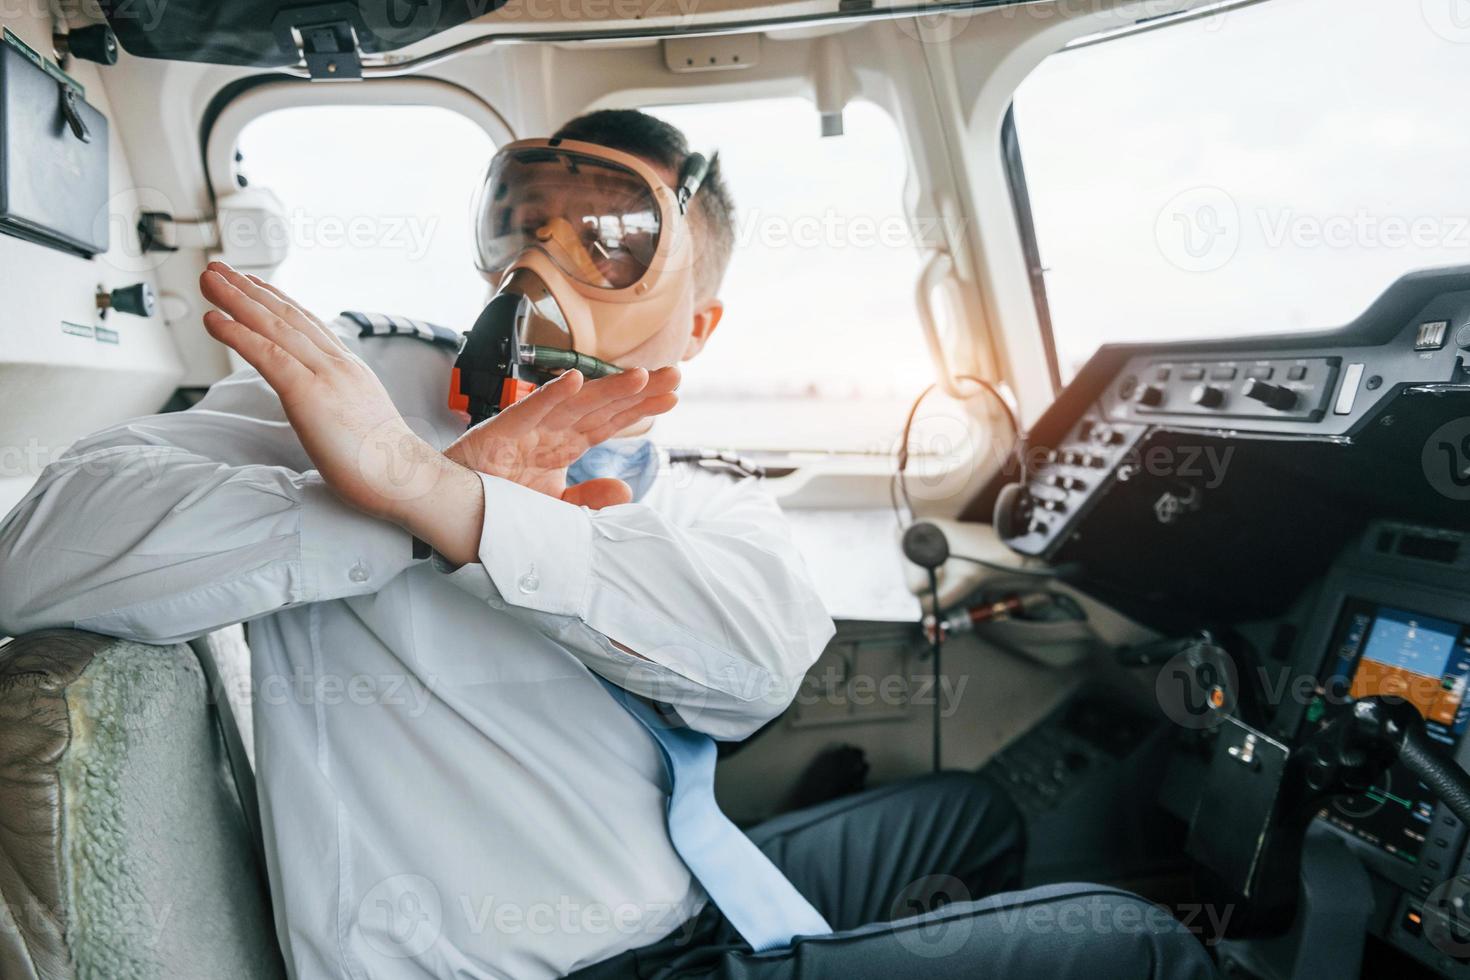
[(900, 873)]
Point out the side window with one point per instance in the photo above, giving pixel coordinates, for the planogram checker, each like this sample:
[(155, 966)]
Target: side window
[(375, 223), (1266, 169), (820, 347)]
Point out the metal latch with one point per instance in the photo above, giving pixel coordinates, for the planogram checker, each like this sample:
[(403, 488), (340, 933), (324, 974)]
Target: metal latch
[(159, 231), (74, 120), (331, 51)]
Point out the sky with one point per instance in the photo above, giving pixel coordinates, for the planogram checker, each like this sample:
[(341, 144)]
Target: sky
[(1270, 169), (379, 224)]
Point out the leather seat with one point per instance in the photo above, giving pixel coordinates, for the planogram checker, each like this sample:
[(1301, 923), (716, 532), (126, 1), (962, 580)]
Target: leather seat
[(125, 851)]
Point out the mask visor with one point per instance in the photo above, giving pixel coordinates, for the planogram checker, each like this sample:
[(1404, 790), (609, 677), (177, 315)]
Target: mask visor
[(597, 220)]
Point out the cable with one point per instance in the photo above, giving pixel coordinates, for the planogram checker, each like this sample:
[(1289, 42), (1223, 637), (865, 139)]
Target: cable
[(1026, 607), (559, 359), (937, 648), (1071, 605), (899, 484)]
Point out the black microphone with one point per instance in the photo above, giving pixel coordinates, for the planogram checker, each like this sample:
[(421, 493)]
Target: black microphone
[(925, 545)]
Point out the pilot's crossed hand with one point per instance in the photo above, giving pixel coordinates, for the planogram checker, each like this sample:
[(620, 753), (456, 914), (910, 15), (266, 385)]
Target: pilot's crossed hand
[(361, 445)]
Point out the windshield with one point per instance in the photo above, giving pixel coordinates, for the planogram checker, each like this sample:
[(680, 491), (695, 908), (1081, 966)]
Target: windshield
[(1264, 170)]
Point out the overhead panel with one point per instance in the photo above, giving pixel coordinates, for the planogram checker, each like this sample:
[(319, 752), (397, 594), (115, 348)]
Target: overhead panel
[(268, 33)]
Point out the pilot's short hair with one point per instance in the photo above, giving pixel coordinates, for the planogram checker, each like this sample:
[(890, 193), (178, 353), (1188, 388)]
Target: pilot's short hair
[(658, 142)]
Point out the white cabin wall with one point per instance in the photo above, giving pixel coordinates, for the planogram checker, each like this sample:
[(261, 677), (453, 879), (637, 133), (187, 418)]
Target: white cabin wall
[(55, 386), (159, 109)]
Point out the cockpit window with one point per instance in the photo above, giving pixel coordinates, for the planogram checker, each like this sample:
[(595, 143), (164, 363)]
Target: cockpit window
[(1267, 169), (820, 347), (377, 202)]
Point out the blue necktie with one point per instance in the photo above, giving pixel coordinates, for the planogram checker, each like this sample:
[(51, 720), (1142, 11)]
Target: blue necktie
[(634, 461), (751, 892)]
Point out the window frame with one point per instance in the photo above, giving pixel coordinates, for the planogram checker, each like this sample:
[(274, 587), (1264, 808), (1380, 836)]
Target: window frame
[(1015, 172), (222, 137), (235, 107)]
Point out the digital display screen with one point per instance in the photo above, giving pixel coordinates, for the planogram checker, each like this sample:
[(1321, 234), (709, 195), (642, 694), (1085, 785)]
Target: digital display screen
[(1422, 659)]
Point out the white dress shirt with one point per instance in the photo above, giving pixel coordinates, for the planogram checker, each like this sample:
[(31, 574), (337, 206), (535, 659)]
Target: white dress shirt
[(445, 788)]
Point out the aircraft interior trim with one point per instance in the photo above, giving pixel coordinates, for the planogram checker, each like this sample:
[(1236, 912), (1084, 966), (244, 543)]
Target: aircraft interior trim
[(744, 489)]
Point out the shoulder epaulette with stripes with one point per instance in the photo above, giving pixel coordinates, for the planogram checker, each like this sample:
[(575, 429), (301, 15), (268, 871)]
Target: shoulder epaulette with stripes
[(387, 325), (718, 461)]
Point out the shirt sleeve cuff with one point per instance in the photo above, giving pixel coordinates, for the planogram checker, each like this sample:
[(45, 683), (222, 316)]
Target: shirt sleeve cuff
[(345, 552), (537, 549)]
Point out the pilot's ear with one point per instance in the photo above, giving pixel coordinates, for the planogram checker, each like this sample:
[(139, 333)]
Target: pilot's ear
[(706, 317)]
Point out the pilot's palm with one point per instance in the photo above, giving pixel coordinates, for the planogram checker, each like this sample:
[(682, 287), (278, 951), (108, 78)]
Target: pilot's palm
[(366, 452), (534, 441)]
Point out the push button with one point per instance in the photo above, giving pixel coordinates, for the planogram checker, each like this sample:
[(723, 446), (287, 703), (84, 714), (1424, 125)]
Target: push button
[(1431, 335), (529, 583), (1296, 373), (1348, 393)]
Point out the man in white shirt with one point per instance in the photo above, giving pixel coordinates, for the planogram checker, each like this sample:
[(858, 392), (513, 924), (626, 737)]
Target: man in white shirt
[(448, 789)]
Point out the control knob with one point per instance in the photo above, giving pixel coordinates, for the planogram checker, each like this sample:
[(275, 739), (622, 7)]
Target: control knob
[(136, 299), (1278, 397), (1150, 396), (94, 43), (1207, 396)]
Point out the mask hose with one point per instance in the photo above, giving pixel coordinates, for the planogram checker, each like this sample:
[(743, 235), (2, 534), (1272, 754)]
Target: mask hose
[(557, 359), (494, 370)]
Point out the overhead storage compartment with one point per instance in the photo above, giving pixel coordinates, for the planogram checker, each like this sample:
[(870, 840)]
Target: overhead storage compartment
[(269, 34)]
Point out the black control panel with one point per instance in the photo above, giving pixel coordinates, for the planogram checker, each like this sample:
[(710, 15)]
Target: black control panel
[(1393, 618), (1309, 494), (1321, 385), (1070, 478), (1325, 387), (1265, 388)]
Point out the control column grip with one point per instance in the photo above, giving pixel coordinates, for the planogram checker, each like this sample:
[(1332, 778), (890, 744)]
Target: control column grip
[(1443, 776)]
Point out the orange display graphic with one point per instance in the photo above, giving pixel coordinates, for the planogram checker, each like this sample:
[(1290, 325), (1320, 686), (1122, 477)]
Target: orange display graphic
[(1437, 698)]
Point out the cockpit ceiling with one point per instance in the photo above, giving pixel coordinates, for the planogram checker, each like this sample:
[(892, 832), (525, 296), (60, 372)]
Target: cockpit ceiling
[(277, 33)]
